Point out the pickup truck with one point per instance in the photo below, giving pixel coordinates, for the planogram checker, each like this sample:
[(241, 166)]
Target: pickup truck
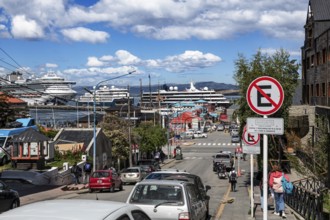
[(225, 158)]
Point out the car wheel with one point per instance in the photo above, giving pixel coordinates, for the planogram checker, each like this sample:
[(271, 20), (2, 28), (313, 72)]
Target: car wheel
[(15, 204), (121, 187)]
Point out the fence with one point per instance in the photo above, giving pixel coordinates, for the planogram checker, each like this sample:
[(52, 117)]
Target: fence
[(307, 199)]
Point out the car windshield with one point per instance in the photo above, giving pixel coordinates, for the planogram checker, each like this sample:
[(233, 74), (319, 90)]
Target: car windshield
[(154, 194), (131, 171), (222, 156), (100, 174)]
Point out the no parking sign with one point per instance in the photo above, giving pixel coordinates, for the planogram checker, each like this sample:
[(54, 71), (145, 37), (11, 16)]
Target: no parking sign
[(265, 95)]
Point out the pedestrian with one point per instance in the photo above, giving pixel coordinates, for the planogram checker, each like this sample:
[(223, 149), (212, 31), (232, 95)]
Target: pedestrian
[(157, 156), (162, 156), (233, 179), (87, 168), (76, 171), (275, 183)]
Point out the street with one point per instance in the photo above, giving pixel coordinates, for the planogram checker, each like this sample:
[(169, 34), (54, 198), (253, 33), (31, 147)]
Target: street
[(197, 159)]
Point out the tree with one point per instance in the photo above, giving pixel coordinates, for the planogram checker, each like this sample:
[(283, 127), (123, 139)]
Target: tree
[(278, 66), (7, 114), (151, 137)]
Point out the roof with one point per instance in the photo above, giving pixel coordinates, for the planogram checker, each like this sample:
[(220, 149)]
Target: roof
[(30, 135), (12, 100), (320, 9), (60, 209), (75, 135)]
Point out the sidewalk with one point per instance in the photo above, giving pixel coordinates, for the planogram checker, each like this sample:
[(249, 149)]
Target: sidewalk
[(236, 205)]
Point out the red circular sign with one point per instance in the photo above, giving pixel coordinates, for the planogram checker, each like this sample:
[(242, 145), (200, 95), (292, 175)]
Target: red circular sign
[(265, 95), (250, 139)]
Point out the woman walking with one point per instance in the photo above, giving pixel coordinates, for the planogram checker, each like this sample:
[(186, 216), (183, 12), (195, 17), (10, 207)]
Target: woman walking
[(275, 183)]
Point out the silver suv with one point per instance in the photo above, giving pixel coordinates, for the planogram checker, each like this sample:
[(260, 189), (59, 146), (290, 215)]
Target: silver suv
[(168, 199)]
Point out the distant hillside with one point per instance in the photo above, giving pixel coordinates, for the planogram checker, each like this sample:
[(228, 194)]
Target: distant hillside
[(135, 90)]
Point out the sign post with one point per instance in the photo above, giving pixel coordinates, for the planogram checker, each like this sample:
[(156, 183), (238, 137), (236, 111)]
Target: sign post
[(265, 96)]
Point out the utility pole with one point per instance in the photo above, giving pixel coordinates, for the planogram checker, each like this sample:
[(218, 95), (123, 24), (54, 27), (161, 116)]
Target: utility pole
[(129, 129)]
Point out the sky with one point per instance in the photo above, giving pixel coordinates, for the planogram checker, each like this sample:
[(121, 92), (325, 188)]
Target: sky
[(172, 41)]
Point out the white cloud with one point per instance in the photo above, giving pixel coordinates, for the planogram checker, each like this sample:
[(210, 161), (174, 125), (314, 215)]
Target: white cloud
[(94, 62), (85, 34), (23, 27), (51, 65), (126, 58), (161, 19)]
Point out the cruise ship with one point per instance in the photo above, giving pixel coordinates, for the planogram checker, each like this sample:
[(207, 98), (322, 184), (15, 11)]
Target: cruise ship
[(49, 88), (169, 96), (106, 96)]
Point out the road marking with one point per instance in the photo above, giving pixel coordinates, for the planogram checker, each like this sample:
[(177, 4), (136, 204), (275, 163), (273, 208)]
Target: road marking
[(222, 205)]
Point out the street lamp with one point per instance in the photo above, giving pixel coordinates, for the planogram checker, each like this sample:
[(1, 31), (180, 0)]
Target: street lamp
[(94, 112)]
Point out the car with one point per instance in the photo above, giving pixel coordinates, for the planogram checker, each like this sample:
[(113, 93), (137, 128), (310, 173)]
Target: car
[(147, 168), (223, 157), (81, 209), (199, 134), (105, 180), (234, 132), (220, 127), (9, 198), (132, 175), (151, 162), (168, 199), (174, 174), (235, 139)]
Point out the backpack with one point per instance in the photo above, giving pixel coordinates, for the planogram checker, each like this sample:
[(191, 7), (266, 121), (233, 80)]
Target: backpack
[(87, 167), (233, 176), (277, 185), (287, 186)]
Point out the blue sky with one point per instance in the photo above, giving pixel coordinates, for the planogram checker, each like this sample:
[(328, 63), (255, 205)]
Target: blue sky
[(173, 41)]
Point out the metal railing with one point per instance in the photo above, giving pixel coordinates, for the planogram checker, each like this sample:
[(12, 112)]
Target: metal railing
[(307, 198)]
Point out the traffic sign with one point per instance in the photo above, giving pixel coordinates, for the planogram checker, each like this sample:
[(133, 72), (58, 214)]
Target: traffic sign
[(250, 138), (265, 125), (265, 95)]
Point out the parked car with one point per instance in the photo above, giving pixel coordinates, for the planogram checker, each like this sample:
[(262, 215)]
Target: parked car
[(105, 180), (151, 162), (235, 139), (132, 175), (174, 174), (147, 168), (199, 134), (81, 209), (9, 198), (168, 199)]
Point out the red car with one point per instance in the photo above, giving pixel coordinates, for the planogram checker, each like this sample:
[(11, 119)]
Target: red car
[(105, 180)]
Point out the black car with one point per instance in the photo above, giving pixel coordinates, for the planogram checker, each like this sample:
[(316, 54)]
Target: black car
[(183, 176), (9, 198), (151, 162)]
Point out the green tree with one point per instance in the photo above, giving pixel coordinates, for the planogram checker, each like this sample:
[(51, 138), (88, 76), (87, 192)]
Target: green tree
[(151, 137), (278, 66)]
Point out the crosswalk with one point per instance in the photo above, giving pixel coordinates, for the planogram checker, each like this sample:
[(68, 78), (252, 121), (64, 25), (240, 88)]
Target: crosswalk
[(218, 144)]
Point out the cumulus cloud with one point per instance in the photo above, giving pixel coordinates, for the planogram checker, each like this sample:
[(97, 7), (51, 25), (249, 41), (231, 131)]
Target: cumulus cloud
[(160, 19), (126, 58), (85, 34), (94, 62), (23, 27)]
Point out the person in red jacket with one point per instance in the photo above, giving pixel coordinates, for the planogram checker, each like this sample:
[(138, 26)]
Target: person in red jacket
[(275, 183)]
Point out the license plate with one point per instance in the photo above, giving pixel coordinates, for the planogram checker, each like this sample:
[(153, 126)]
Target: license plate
[(99, 181)]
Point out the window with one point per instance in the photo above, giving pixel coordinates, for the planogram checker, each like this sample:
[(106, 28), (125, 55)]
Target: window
[(312, 90), (324, 55), (323, 89), (312, 61), (329, 89), (318, 58), (317, 89)]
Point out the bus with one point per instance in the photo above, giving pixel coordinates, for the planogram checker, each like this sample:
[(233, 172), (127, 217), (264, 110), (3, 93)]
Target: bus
[(12, 129)]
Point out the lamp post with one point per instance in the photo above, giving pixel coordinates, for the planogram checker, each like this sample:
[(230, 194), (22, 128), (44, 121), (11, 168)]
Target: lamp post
[(94, 112)]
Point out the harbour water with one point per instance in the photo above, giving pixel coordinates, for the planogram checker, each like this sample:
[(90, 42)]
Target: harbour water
[(58, 118)]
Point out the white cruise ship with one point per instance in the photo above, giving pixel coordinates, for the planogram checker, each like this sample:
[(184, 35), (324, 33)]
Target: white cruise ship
[(169, 96), (49, 88), (106, 96)]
